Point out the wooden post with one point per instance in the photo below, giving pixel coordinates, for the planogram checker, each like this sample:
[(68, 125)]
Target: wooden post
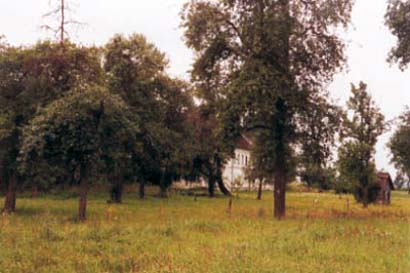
[(229, 209)]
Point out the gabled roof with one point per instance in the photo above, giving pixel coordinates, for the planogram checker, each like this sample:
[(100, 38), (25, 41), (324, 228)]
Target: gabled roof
[(244, 143), (383, 177)]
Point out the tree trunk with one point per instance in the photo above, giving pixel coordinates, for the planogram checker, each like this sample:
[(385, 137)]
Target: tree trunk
[(260, 189), (280, 161), (10, 201), (162, 186), (222, 186), (83, 196), (163, 192), (142, 188), (117, 190), (365, 197), (279, 194), (408, 185), (219, 178), (281, 118), (211, 185)]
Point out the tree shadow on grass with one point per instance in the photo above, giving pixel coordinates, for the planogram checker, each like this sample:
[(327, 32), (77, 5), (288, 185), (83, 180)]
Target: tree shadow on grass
[(36, 211), (29, 211)]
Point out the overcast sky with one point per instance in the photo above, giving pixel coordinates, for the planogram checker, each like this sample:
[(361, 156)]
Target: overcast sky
[(367, 39)]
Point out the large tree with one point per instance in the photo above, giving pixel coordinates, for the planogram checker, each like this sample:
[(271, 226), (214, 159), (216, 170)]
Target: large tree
[(398, 20), (399, 146), (267, 58), (362, 126), (136, 71), (31, 78), (73, 134)]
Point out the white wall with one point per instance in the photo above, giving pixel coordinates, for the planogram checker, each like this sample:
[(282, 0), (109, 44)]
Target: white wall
[(234, 169)]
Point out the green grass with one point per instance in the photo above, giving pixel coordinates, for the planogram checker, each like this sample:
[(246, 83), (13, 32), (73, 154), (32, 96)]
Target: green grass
[(184, 234)]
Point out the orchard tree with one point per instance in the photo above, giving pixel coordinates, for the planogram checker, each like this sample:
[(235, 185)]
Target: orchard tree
[(399, 146), (9, 82), (319, 126), (362, 126), (175, 139), (136, 72), (74, 133), (31, 78), (267, 58), (133, 66), (398, 21)]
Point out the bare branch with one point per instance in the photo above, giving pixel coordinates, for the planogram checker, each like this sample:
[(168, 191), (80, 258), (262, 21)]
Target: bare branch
[(59, 13)]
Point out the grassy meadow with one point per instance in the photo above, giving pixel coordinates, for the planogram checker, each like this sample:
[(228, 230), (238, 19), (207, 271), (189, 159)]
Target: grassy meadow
[(322, 233)]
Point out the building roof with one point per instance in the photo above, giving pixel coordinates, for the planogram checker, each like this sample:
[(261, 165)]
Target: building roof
[(244, 143), (383, 177)]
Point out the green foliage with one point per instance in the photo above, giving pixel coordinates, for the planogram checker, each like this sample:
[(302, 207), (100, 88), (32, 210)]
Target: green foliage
[(400, 181), (314, 175), (263, 158), (31, 78), (268, 59), (397, 19), (363, 124), (399, 145), (319, 126), (136, 71), (76, 131), (361, 174), (343, 185)]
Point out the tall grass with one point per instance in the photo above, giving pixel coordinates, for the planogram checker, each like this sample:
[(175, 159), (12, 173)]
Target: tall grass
[(322, 233)]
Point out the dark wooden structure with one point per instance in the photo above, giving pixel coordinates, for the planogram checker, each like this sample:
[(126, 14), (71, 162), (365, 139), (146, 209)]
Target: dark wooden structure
[(385, 187)]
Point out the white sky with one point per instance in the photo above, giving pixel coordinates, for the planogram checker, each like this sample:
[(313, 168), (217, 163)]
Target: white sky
[(368, 40)]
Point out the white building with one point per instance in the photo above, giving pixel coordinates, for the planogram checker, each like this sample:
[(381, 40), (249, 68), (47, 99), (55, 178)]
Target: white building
[(234, 173)]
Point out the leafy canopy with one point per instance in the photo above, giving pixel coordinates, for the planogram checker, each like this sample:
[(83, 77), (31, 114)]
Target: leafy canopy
[(78, 130), (32, 77), (399, 144), (136, 72), (267, 58), (398, 21)]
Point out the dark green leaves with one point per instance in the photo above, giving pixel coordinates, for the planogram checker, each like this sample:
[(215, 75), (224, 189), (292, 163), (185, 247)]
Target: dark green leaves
[(398, 21), (79, 129), (362, 126), (399, 144)]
